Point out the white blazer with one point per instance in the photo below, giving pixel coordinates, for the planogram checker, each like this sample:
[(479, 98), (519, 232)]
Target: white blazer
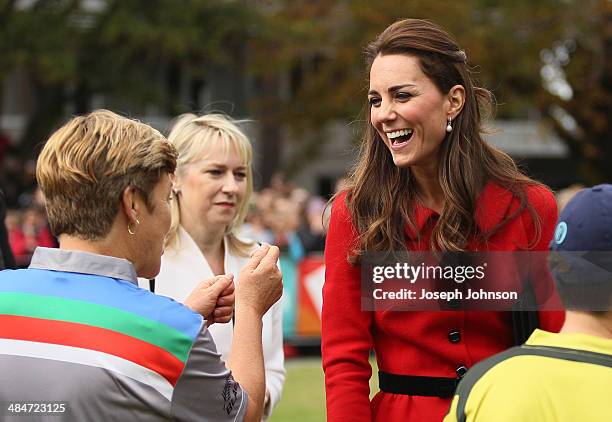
[(184, 267)]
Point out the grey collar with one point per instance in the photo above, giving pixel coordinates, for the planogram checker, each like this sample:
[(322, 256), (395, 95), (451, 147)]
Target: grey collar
[(83, 262)]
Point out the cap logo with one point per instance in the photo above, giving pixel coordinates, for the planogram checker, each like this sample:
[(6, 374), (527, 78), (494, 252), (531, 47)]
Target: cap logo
[(560, 232)]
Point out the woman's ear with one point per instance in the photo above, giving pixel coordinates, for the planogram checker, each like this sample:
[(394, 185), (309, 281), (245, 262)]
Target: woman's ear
[(129, 204), (456, 99), (176, 185)]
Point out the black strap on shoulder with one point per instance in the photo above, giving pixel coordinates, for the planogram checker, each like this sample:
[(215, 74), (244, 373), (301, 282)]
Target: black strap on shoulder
[(574, 355), (152, 285), (524, 319), (474, 374)]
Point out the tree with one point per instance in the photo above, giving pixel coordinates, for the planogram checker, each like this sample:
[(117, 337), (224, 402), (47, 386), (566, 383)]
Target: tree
[(128, 51), (578, 78), (304, 59)]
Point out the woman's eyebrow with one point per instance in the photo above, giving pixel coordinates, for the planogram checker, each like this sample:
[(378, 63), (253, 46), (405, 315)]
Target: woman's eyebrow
[(392, 88), (398, 87), (223, 165)]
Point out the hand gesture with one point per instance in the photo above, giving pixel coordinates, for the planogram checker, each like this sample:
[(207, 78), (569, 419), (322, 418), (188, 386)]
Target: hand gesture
[(212, 294), (224, 308), (260, 283)]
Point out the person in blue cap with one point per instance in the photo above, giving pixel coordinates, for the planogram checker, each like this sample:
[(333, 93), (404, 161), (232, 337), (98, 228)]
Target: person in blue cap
[(565, 376)]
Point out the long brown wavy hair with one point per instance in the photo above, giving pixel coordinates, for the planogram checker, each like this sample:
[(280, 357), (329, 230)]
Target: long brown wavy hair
[(382, 196)]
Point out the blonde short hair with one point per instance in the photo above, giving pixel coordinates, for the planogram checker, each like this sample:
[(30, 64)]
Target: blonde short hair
[(86, 165), (193, 137)]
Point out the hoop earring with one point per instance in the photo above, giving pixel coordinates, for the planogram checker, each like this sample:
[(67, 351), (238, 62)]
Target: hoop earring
[(130, 230), (449, 126)]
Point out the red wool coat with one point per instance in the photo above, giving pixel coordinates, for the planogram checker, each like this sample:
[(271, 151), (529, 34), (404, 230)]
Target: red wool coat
[(415, 343)]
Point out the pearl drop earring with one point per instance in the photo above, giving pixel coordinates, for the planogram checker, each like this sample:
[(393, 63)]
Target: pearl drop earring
[(449, 127)]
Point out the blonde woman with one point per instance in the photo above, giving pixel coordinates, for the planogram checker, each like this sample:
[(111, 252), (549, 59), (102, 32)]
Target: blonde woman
[(212, 186)]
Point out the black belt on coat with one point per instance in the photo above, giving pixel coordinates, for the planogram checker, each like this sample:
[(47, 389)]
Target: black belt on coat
[(412, 385)]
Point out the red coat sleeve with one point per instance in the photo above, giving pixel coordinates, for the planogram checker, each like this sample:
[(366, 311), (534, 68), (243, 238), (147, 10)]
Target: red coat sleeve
[(545, 206), (346, 329)]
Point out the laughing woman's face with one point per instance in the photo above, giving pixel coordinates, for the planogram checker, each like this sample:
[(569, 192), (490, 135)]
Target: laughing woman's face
[(407, 110)]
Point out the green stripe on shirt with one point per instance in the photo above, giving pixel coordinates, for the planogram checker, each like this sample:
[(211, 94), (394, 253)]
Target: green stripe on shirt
[(87, 313)]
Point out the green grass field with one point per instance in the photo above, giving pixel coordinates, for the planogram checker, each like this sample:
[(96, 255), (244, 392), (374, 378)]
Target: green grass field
[(304, 393)]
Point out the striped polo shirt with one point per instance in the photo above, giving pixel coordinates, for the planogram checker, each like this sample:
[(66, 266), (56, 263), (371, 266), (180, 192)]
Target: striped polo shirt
[(75, 328)]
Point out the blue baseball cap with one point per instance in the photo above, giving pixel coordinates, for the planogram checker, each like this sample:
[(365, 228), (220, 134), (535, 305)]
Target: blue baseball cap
[(582, 244), (585, 224)]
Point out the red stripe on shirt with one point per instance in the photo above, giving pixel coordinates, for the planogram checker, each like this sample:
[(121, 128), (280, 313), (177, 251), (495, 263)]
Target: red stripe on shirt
[(94, 338)]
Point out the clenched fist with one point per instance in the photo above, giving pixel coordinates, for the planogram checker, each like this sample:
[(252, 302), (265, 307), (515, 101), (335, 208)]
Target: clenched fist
[(213, 299)]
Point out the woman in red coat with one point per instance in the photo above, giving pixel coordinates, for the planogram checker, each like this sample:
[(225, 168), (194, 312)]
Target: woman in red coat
[(425, 180)]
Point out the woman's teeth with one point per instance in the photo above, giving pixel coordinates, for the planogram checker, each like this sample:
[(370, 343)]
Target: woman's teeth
[(400, 136)]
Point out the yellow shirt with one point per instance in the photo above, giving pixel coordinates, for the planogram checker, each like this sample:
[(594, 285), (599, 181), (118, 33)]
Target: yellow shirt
[(553, 377)]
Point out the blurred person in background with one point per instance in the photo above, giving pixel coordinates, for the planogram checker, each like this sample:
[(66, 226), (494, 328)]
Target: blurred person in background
[(254, 226), (268, 210), (212, 188), (28, 230), (11, 180), (312, 230), (75, 328), (287, 214), (7, 260), (425, 180), (280, 185)]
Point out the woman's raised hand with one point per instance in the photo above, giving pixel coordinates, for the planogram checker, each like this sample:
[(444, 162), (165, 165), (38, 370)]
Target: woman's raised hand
[(213, 298)]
